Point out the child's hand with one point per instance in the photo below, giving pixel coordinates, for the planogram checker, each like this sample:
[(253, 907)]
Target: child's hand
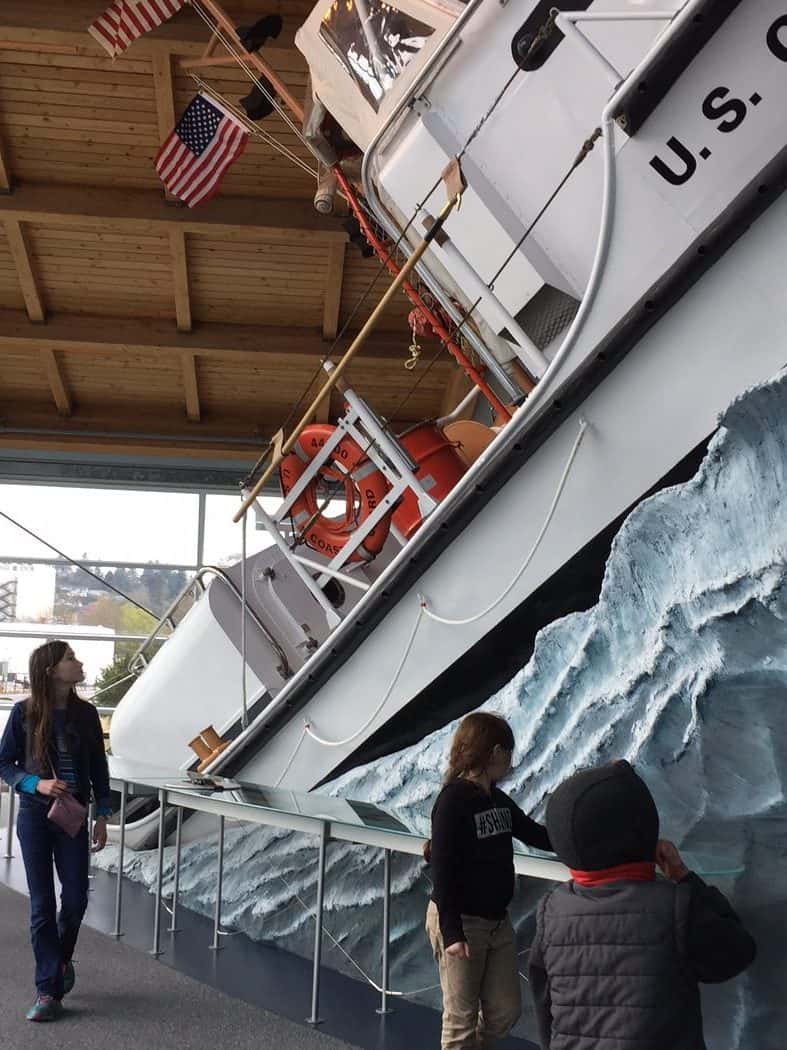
[(459, 949), (670, 861), (99, 834)]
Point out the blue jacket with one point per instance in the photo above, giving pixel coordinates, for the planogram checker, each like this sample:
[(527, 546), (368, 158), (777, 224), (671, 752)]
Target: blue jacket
[(85, 742)]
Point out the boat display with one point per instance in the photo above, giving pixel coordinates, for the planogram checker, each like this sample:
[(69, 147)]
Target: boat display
[(584, 204)]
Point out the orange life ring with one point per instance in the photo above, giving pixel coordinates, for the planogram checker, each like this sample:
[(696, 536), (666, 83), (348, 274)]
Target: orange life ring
[(364, 487)]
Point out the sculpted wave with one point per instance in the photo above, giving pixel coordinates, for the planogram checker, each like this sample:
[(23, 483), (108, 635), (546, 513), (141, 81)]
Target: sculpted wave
[(681, 667)]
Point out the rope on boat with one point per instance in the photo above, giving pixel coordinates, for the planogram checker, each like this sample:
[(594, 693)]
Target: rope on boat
[(536, 544), (79, 565), (400, 667), (251, 126)]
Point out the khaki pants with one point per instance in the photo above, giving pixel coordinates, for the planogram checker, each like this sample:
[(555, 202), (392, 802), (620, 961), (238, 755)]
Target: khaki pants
[(481, 995)]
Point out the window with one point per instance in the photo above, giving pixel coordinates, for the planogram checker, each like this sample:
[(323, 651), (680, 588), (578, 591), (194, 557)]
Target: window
[(374, 42)]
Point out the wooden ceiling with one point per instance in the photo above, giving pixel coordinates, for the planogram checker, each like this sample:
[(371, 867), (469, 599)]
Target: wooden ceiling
[(129, 322)]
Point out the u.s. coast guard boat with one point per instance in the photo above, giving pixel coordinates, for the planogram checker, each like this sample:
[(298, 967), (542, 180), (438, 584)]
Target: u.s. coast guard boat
[(594, 193)]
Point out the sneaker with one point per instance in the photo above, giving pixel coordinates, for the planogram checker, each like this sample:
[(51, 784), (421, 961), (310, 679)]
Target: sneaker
[(45, 1008), (69, 977)]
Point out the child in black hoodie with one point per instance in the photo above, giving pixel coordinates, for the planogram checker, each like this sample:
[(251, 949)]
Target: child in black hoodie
[(472, 859), (618, 952)]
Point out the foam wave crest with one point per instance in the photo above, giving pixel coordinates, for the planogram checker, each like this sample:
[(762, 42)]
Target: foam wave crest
[(681, 667)]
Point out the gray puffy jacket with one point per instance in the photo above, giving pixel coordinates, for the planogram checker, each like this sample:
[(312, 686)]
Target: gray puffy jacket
[(616, 966)]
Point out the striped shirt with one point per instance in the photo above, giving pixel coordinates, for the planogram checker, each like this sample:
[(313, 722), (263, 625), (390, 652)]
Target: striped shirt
[(66, 770)]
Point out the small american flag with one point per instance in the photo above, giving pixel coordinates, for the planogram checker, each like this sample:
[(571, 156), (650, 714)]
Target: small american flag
[(125, 20), (206, 141)]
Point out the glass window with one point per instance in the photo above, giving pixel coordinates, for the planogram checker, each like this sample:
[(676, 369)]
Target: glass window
[(113, 525), (374, 42), (223, 538)]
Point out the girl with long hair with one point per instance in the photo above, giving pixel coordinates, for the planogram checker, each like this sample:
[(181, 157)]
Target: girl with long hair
[(53, 746), (472, 858)]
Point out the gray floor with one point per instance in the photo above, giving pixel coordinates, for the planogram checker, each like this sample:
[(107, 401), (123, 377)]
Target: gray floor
[(124, 1000)]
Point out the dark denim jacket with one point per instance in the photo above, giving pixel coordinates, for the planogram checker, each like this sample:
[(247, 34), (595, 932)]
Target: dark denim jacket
[(85, 742)]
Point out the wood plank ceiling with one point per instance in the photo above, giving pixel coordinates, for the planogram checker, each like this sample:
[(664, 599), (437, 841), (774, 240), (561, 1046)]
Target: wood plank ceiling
[(128, 321)]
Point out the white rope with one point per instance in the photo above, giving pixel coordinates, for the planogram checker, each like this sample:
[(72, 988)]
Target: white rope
[(377, 987), (243, 618), (523, 568), (291, 759), (346, 954), (252, 127), (400, 667)]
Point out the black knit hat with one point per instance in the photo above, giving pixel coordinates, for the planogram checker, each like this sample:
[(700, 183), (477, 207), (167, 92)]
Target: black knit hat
[(603, 817)]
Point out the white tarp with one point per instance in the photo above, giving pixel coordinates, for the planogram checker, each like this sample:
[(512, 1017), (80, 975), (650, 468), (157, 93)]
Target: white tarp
[(363, 55)]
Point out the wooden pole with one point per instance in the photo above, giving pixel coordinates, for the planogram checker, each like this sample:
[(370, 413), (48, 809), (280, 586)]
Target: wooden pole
[(349, 353)]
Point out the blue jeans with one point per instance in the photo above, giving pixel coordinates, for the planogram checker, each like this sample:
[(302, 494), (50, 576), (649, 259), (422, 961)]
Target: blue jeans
[(53, 935)]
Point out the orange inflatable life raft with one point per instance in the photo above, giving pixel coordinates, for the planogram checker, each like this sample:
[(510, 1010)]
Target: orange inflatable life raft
[(438, 467)]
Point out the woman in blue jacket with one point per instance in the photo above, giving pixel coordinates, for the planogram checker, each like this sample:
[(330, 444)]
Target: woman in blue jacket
[(53, 745)]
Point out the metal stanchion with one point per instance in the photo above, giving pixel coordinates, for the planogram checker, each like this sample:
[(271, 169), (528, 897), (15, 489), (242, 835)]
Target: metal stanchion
[(384, 1008), (117, 932), (9, 838), (162, 798), (91, 823), (176, 888), (318, 913), (220, 878)]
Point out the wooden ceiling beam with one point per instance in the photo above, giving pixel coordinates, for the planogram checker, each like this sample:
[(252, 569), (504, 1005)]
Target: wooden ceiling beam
[(164, 88), (5, 170), (110, 335), (334, 279), (25, 271), (180, 280), (57, 383), (35, 432), (61, 29), (191, 386), (126, 429), (145, 211)]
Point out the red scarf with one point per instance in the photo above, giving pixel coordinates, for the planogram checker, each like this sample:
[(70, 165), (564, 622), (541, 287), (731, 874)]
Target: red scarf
[(637, 871)]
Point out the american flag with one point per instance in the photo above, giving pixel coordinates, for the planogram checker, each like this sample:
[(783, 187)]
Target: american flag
[(206, 141), (125, 20)]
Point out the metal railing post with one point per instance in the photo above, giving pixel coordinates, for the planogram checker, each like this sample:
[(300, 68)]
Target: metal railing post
[(384, 1008), (219, 881), (9, 838), (117, 932), (176, 887), (318, 914), (162, 798), (91, 823)]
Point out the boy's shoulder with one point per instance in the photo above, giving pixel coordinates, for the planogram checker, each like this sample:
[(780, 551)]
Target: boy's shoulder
[(656, 894)]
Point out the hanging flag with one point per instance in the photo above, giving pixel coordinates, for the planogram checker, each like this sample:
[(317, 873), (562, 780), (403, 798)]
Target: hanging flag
[(125, 20), (206, 141)]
